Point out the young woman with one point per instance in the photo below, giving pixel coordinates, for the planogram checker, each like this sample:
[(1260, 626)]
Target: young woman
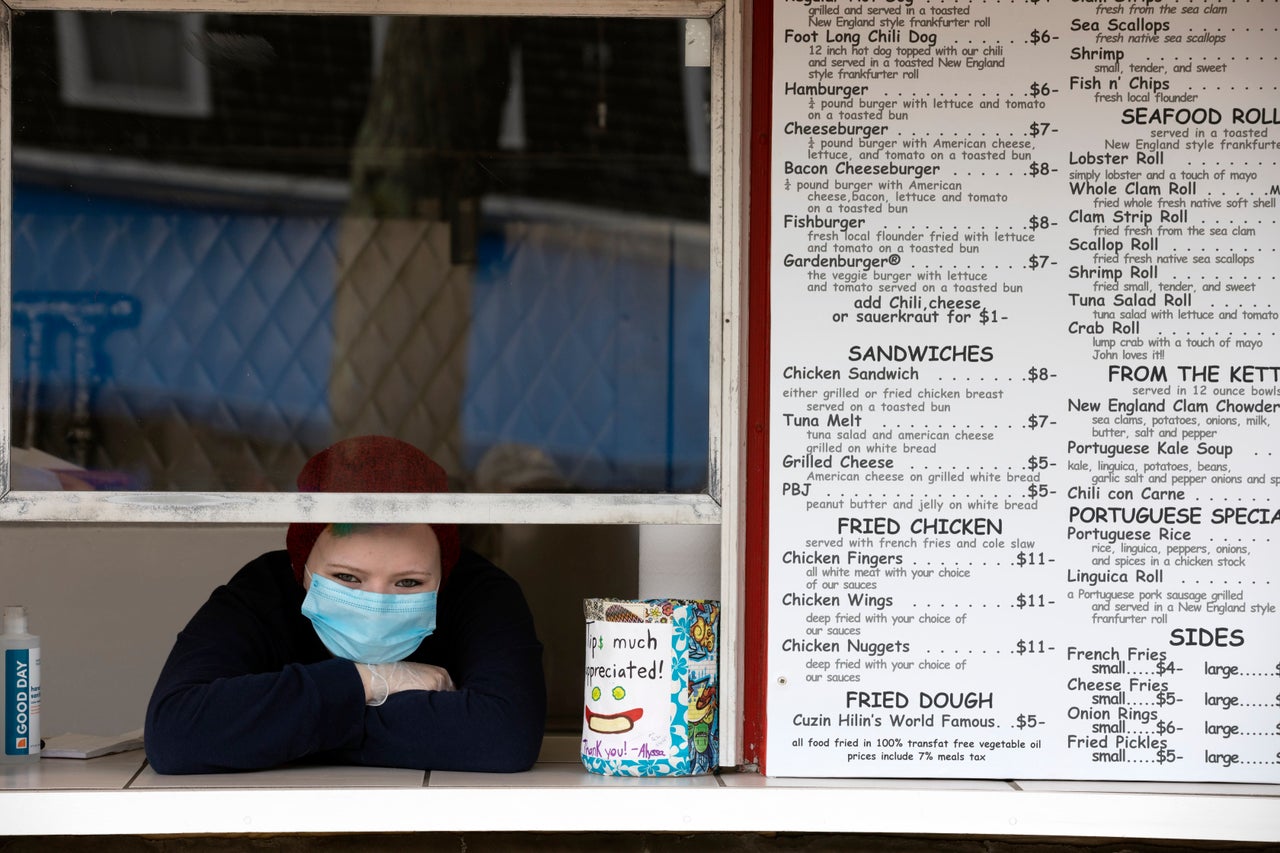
[(382, 644)]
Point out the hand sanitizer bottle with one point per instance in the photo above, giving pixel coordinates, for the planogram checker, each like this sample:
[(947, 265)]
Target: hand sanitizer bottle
[(19, 689)]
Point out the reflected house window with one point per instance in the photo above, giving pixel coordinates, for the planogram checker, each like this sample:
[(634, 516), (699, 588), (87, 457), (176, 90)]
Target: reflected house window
[(504, 249), (134, 62), (697, 103), (512, 135)]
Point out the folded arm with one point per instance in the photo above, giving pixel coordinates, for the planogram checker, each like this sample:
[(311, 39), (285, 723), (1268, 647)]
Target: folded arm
[(493, 720), (226, 700)]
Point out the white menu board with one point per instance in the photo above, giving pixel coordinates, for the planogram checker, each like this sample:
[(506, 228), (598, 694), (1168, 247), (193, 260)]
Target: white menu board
[(1024, 390)]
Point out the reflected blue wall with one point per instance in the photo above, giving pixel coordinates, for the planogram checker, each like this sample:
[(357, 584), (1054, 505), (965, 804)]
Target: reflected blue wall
[(591, 347)]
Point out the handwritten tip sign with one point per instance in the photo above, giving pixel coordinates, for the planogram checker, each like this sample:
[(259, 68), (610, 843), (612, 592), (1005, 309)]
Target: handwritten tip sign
[(650, 686)]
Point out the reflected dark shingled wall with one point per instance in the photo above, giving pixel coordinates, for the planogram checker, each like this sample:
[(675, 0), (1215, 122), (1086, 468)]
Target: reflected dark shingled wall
[(289, 94)]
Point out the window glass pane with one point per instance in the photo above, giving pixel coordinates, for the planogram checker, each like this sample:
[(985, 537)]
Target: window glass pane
[(488, 237)]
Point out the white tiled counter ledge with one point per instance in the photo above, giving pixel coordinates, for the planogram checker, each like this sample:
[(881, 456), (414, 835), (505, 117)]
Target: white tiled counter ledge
[(120, 795)]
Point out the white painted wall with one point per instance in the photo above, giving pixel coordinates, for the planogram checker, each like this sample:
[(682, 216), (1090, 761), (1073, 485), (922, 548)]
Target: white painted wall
[(680, 561), (107, 602)]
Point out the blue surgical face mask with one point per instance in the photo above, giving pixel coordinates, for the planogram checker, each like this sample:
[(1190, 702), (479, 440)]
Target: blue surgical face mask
[(368, 627)]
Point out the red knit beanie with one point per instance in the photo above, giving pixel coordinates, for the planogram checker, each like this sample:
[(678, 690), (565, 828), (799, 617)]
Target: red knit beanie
[(370, 463)]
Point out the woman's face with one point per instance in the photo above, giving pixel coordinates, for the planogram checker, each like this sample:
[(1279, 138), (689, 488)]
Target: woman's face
[(388, 558)]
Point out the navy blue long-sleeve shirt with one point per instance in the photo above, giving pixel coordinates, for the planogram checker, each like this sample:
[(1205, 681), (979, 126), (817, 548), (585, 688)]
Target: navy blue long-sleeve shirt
[(249, 685)]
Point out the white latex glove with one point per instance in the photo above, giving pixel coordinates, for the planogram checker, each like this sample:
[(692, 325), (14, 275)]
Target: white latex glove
[(383, 679)]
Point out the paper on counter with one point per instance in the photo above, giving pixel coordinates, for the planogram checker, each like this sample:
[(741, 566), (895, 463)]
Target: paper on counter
[(74, 745)]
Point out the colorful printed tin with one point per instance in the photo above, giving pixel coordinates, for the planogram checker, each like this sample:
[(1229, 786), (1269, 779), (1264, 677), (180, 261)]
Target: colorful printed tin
[(652, 685)]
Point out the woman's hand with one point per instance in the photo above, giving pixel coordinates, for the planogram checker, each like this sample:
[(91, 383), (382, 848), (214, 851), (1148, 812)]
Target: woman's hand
[(384, 679)]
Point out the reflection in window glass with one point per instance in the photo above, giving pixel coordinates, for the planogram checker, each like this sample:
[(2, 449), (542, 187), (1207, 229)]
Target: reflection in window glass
[(163, 71), (488, 237)]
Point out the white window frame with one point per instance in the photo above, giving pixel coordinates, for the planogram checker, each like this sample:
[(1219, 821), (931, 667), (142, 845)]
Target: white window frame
[(721, 504), (188, 98)]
